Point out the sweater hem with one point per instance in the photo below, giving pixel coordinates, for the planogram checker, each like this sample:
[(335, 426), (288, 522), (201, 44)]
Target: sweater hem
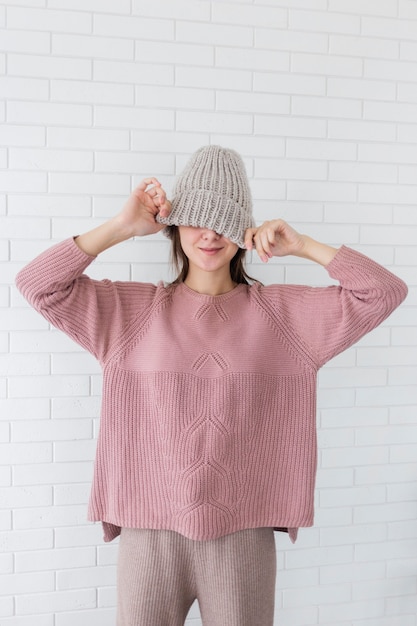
[(112, 530)]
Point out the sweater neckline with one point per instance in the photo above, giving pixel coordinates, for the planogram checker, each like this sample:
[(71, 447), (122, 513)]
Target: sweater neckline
[(202, 297)]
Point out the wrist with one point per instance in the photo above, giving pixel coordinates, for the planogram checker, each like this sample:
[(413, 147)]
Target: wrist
[(315, 251), (105, 236), (120, 229)]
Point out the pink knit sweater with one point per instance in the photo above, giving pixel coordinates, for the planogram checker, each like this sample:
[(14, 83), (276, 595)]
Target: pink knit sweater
[(209, 403)]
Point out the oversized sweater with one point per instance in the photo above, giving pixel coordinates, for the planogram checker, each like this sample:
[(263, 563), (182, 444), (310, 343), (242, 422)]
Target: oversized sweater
[(208, 422)]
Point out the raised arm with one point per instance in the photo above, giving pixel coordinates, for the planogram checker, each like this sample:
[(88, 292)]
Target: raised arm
[(137, 218), (93, 312), (327, 319), (277, 238)]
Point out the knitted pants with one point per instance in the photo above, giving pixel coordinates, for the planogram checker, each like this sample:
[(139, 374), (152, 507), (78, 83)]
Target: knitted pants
[(161, 573)]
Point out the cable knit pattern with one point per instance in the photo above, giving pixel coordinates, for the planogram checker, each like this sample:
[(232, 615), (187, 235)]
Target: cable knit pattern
[(209, 403)]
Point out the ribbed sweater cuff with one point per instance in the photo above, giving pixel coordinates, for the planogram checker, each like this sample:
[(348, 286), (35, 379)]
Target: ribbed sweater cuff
[(351, 267)]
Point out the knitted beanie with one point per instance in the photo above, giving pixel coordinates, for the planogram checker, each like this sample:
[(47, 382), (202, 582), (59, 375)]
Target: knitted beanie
[(213, 192)]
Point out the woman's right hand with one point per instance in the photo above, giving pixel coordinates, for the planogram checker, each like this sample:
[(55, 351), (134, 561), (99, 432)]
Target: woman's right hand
[(136, 219), (146, 201)]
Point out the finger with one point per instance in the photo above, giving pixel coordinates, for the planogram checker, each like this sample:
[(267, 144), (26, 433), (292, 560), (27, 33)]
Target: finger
[(146, 182), (264, 245), (158, 195), (256, 244), (272, 237), (249, 238), (165, 209), (260, 250)]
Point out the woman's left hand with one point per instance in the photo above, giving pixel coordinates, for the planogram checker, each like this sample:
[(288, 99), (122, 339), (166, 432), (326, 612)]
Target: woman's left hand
[(274, 238)]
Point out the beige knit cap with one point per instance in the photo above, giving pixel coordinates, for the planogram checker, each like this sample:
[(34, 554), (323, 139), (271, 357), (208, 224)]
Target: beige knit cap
[(213, 192)]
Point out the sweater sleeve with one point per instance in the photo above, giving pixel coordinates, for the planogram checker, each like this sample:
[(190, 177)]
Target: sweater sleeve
[(93, 313), (329, 320)]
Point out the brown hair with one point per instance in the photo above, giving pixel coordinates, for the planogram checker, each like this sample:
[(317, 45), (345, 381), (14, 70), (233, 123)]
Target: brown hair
[(180, 261)]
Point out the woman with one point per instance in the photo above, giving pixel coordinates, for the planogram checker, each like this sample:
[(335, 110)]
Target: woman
[(207, 441)]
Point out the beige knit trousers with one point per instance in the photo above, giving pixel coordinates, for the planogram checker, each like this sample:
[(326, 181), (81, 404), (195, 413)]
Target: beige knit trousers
[(161, 573)]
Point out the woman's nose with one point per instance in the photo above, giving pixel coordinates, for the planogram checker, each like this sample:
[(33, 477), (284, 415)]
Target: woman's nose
[(210, 234)]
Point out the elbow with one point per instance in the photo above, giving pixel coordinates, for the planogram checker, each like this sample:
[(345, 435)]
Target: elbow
[(395, 296), (29, 289), (402, 291), (22, 285), (19, 281)]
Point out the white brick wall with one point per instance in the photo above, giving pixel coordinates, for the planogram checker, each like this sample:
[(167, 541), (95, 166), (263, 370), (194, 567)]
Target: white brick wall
[(320, 97)]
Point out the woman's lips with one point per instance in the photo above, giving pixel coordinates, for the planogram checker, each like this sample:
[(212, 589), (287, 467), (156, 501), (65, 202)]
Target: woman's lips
[(210, 251)]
